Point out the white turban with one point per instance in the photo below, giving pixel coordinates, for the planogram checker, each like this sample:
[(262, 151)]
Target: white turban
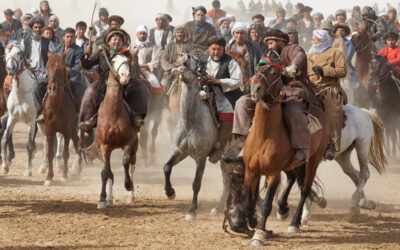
[(162, 16), (326, 40), (142, 28), (239, 26)]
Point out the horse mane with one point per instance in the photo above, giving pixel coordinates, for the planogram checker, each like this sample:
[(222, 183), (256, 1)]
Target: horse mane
[(11, 45), (56, 64)]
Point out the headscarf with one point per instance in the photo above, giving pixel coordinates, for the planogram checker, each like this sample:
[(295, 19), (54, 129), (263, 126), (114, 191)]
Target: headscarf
[(239, 26), (326, 40), (142, 28)]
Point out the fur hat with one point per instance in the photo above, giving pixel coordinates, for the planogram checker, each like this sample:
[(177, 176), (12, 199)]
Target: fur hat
[(368, 11), (341, 12), (343, 26), (306, 9), (390, 34), (275, 34), (36, 19), (326, 25), (119, 32), (115, 18)]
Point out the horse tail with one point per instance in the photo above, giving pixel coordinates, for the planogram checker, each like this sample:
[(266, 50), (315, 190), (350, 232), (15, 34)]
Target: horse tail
[(88, 153), (377, 150)]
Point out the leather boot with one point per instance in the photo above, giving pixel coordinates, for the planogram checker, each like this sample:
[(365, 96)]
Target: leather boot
[(224, 133), (231, 155), (330, 151)]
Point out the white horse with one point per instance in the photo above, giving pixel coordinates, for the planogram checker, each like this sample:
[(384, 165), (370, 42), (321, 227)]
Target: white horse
[(364, 132), (20, 104)]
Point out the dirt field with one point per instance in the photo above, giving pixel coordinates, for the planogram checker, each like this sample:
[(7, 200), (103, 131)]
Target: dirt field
[(33, 216)]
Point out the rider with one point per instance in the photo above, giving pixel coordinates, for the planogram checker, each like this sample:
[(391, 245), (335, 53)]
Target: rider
[(297, 96), (114, 43), (326, 65), (392, 51), (225, 74), (36, 48), (376, 26)]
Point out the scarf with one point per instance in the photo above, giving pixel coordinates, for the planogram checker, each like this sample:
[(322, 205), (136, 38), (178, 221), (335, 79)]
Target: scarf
[(198, 25), (142, 28), (326, 40)]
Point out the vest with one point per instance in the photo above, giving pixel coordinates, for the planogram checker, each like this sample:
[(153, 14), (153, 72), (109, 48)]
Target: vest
[(223, 72), (152, 39), (44, 49)]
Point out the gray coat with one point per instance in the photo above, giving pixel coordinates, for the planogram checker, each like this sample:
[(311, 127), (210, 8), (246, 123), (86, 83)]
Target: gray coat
[(73, 61), (170, 55), (377, 29)]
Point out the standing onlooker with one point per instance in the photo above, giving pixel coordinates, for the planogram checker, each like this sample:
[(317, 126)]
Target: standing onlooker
[(198, 30), (45, 11), (393, 17), (305, 28), (356, 19), (224, 29), (54, 23), (216, 13), (317, 19), (18, 14), (10, 25), (101, 25), (22, 32), (160, 36), (81, 40), (279, 22)]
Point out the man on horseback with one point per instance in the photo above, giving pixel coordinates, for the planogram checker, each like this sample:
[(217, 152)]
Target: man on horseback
[(375, 26), (36, 48), (297, 96), (225, 74), (326, 65), (392, 52), (114, 43)]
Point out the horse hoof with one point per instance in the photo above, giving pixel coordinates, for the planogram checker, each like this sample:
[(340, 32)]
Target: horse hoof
[(321, 202), (110, 203), (28, 173), (130, 199), (102, 205), (5, 170), (170, 194), (48, 183), (354, 211), (282, 216), (190, 216), (42, 169), (257, 243), (304, 220), (258, 238), (63, 180), (368, 205), (293, 229), (214, 212)]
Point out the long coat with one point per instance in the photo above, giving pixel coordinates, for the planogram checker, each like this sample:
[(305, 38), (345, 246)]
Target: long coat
[(200, 39)]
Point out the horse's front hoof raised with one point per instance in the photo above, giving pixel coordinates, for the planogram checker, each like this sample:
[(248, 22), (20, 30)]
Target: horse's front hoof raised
[(48, 183), (367, 204), (170, 193), (321, 202), (282, 216), (190, 216), (293, 229), (28, 173)]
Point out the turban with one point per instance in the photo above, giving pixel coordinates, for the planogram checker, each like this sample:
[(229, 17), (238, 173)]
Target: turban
[(223, 19), (239, 26), (162, 16), (325, 38), (142, 28)]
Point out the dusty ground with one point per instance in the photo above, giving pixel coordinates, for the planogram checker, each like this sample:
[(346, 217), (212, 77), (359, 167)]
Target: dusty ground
[(33, 216)]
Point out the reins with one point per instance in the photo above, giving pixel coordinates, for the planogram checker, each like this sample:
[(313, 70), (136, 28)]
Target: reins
[(275, 99)]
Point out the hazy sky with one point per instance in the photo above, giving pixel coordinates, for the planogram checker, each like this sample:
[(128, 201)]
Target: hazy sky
[(142, 12)]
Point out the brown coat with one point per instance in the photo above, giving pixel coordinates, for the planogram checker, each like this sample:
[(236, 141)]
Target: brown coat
[(200, 39)]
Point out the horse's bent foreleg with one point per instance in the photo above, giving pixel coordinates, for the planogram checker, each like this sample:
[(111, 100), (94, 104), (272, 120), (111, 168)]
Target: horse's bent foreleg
[(200, 166), (30, 147), (283, 210), (176, 157), (4, 144), (107, 177), (273, 182)]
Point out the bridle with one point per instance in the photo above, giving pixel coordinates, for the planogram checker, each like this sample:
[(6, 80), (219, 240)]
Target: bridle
[(268, 91), (115, 72), (383, 68), (22, 65)]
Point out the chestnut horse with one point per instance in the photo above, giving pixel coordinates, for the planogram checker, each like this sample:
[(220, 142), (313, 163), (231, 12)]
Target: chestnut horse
[(59, 114), (114, 129), (267, 151), (364, 48)]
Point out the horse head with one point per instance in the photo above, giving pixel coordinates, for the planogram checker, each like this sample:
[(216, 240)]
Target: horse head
[(360, 39), (378, 68), (266, 85), (121, 68), (57, 73), (190, 68), (14, 58)]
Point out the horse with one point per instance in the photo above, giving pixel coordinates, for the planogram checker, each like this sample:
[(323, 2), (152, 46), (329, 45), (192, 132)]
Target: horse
[(267, 151), (195, 134), (174, 94), (385, 94), (59, 114), (20, 104), (364, 47), (114, 130)]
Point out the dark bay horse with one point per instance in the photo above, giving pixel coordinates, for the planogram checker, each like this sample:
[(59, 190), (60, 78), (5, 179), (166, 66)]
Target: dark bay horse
[(114, 130), (267, 152), (364, 48), (59, 114), (385, 93)]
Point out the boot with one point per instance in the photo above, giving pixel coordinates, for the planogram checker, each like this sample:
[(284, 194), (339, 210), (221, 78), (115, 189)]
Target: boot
[(224, 133), (330, 151), (231, 155)]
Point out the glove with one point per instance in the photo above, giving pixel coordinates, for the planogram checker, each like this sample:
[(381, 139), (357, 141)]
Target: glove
[(318, 70), (290, 71), (389, 64)]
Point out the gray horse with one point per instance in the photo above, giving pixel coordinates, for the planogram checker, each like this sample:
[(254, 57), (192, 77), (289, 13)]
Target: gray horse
[(195, 134)]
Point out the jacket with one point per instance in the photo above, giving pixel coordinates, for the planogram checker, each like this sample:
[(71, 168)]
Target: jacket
[(73, 61)]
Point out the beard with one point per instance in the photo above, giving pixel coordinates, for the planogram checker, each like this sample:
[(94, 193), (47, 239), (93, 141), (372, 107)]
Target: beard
[(200, 22), (36, 37), (225, 31), (215, 58)]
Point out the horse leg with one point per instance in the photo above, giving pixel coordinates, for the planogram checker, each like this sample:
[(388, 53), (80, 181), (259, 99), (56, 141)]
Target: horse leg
[(30, 147), (4, 144), (2, 130), (143, 140), (283, 210), (77, 165), (107, 178), (45, 161), (50, 155), (310, 171), (362, 149), (200, 166), (154, 132), (261, 234), (345, 163), (11, 152), (64, 177), (59, 153), (176, 157), (225, 181), (132, 170)]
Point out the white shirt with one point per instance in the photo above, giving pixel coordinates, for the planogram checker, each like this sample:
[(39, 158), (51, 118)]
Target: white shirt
[(79, 42), (36, 61), (158, 34)]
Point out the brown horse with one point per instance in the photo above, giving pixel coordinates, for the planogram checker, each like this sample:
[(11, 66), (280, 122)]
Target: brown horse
[(59, 113), (267, 151), (114, 129), (364, 48)]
